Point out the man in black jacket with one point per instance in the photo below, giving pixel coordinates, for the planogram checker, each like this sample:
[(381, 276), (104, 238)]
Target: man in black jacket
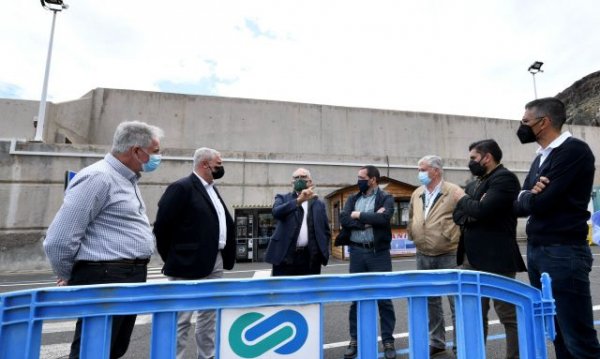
[(555, 196), (367, 230), (489, 229), (196, 240)]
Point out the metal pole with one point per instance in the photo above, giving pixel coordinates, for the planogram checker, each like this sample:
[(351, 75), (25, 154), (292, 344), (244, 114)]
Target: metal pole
[(39, 130), (534, 87)]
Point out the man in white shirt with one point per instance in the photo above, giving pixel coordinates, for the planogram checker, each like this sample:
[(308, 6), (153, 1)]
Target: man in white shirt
[(196, 240), (300, 244)]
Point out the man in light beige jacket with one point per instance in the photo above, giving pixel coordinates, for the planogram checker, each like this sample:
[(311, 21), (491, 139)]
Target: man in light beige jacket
[(431, 227)]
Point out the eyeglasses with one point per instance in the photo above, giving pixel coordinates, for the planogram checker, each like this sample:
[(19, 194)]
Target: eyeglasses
[(300, 177), (537, 118)]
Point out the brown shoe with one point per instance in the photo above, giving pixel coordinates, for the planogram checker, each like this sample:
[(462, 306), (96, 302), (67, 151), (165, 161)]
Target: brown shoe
[(433, 351)]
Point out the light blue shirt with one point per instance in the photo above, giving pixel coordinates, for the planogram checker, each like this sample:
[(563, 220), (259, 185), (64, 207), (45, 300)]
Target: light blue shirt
[(364, 204), (103, 218)]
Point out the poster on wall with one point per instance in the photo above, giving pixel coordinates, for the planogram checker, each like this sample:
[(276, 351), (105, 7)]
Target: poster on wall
[(401, 245)]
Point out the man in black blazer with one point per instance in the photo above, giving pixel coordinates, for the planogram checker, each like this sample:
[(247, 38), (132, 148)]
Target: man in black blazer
[(555, 196), (489, 229), (300, 244), (196, 240)]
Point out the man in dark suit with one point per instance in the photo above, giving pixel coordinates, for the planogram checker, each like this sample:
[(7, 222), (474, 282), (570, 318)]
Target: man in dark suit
[(489, 229), (300, 244), (196, 240), (555, 196)]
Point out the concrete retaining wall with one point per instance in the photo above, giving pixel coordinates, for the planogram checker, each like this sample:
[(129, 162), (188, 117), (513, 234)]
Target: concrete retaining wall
[(16, 118), (262, 142)]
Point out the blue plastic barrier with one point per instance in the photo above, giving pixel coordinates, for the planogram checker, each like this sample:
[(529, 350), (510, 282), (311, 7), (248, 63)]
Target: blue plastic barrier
[(22, 313)]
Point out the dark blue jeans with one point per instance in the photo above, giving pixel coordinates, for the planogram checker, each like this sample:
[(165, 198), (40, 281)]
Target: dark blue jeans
[(366, 260), (569, 267)]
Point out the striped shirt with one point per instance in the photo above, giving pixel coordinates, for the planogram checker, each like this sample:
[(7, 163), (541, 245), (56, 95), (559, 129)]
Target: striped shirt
[(103, 218)]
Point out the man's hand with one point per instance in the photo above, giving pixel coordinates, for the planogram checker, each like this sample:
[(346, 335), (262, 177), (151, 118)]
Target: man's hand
[(458, 194), (61, 282), (540, 185), (305, 195), (355, 215), (381, 210)]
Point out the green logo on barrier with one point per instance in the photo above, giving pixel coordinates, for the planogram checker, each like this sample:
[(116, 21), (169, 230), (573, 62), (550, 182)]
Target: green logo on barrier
[(244, 336)]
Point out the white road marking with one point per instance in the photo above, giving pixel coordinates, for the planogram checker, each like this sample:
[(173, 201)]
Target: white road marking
[(262, 274)]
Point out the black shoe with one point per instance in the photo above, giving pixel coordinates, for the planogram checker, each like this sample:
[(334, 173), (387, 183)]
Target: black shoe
[(351, 350), (389, 352), (433, 351)]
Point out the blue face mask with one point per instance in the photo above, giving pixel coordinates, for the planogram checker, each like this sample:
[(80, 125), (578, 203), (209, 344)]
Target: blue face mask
[(424, 178), (152, 163)]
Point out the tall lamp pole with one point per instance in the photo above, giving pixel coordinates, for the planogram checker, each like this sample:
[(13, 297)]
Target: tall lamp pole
[(534, 69), (54, 6)]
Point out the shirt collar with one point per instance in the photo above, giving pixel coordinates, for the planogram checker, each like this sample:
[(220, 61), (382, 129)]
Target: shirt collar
[(486, 175), (435, 189), (554, 144), (121, 168), (204, 183), (372, 193)]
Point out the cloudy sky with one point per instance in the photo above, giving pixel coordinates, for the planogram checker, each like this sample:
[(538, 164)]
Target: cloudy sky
[(445, 56)]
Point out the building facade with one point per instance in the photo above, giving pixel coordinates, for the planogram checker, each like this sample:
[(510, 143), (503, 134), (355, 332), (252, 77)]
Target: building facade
[(261, 142)]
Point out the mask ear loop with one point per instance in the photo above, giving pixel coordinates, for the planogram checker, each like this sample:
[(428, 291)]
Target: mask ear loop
[(540, 131), (541, 119)]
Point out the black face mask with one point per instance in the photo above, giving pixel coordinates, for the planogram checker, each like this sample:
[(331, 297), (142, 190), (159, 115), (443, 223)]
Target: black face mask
[(363, 185), (477, 169), (526, 134), (218, 172)]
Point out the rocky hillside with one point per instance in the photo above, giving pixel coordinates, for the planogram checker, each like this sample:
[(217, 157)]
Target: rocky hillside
[(583, 101)]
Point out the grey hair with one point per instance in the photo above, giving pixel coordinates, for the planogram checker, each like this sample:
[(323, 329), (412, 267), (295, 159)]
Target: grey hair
[(134, 133), (204, 154), (303, 169), (433, 161)]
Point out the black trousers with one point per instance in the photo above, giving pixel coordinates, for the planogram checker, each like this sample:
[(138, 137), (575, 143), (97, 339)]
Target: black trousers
[(122, 325), (298, 262)]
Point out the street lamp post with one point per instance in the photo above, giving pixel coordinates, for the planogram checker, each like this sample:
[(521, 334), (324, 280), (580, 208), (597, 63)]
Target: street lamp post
[(534, 69), (54, 6)]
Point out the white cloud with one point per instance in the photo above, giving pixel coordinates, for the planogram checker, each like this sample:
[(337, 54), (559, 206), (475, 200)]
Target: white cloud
[(462, 57)]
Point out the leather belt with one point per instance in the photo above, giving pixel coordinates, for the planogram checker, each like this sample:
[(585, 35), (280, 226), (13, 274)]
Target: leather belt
[(367, 245), (117, 262)]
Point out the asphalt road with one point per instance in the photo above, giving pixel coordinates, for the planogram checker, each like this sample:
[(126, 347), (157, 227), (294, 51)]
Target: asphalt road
[(57, 335)]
